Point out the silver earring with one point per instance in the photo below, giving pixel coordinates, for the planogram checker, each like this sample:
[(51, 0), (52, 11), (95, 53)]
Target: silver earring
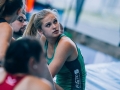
[(35, 66)]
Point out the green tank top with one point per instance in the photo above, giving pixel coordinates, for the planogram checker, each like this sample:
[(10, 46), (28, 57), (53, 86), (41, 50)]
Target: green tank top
[(72, 75)]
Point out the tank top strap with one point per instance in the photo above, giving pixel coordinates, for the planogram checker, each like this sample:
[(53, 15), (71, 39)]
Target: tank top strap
[(46, 44), (2, 20), (58, 39)]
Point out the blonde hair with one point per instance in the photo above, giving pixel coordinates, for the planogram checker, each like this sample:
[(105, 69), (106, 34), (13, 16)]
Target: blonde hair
[(30, 29), (35, 22)]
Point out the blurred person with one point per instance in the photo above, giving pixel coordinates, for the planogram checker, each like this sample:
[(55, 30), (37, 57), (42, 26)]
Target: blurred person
[(19, 25), (63, 56), (9, 11), (24, 63)]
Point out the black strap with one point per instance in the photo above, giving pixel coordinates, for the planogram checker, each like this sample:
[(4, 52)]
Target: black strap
[(2, 20)]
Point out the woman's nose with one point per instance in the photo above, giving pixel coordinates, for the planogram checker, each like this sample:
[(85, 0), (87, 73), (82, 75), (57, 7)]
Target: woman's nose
[(53, 25)]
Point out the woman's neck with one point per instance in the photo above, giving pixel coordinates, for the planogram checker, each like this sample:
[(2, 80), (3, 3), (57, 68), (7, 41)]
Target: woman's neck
[(52, 41), (8, 19)]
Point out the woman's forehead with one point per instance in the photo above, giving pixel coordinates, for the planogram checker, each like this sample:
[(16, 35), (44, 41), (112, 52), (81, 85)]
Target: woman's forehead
[(49, 18)]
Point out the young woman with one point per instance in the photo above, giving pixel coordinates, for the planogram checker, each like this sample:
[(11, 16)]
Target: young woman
[(24, 62), (9, 11), (63, 56)]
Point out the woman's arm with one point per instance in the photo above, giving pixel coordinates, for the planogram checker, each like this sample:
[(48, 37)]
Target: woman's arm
[(5, 38), (63, 51)]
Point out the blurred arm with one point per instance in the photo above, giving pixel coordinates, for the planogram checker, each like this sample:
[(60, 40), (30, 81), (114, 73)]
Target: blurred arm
[(5, 38)]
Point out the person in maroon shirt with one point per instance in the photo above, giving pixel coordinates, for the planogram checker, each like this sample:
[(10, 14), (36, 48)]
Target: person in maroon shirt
[(24, 63)]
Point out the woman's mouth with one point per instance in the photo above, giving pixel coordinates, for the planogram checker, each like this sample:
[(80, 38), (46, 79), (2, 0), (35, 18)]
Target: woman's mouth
[(56, 32)]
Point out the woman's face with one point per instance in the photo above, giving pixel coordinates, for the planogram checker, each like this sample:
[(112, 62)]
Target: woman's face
[(50, 26)]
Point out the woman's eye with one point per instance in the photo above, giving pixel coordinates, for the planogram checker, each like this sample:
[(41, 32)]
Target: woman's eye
[(55, 21), (21, 20), (48, 25)]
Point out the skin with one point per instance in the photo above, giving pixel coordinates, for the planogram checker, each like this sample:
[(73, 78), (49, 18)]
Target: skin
[(41, 67), (45, 74), (66, 49), (6, 33), (17, 25), (31, 82), (5, 38), (50, 22)]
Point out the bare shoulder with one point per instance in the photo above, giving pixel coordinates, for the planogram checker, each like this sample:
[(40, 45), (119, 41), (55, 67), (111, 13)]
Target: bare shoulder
[(66, 46), (66, 42), (5, 26), (38, 84), (33, 83)]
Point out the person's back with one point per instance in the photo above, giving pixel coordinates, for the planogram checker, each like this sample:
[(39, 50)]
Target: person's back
[(5, 37), (24, 63), (22, 82), (9, 11)]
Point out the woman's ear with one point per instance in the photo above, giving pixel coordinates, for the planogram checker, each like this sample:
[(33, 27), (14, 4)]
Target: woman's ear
[(32, 64), (40, 31)]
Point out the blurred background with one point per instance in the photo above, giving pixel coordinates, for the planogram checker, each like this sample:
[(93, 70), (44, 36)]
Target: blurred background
[(95, 26)]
